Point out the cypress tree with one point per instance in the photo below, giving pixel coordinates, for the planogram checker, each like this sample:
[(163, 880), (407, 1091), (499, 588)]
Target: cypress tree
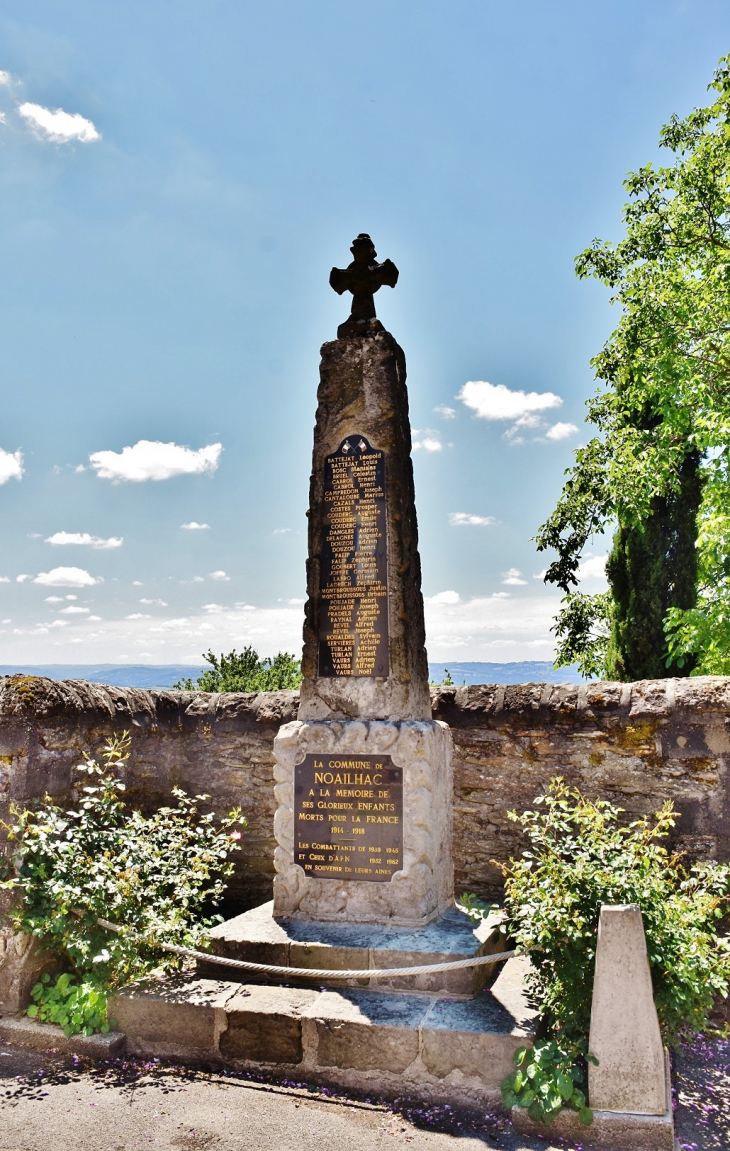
[(652, 567)]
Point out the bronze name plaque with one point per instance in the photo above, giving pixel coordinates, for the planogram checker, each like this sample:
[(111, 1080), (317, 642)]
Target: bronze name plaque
[(353, 613), (348, 817)]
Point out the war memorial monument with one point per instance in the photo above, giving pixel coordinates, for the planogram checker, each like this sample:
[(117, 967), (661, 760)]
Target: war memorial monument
[(364, 872)]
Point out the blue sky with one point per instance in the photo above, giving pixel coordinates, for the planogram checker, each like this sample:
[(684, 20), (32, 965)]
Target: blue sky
[(177, 179)]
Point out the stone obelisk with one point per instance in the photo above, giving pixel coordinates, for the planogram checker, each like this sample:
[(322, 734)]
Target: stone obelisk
[(364, 782)]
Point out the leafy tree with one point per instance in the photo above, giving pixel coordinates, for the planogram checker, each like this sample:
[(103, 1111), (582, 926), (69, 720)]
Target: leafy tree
[(244, 671), (660, 465)]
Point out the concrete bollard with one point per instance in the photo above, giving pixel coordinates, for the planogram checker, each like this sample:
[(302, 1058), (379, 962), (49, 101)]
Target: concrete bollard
[(624, 1035)]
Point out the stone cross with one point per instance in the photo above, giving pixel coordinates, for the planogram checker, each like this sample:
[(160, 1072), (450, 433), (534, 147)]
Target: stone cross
[(363, 277)]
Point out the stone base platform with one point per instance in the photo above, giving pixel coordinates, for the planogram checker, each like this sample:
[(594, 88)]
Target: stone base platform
[(439, 1050), (259, 938)]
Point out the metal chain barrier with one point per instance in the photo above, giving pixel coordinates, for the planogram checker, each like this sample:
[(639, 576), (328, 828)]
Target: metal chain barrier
[(315, 972)]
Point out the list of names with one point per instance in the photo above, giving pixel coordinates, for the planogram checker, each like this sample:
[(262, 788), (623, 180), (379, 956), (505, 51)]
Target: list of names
[(353, 623)]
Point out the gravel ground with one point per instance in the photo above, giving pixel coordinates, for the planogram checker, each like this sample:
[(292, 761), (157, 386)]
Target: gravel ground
[(62, 1103)]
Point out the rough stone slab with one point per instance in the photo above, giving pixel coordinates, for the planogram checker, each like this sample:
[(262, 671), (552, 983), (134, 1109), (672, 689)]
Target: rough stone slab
[(173, 1017), (50, 1037), (366, 1031), (265, 1024), (258, 937), (436, 1049)]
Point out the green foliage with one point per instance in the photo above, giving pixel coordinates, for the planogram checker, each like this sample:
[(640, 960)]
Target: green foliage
[(652, 569), (447, 681), (582, 628), (665, 403), (76, 1007), (475, 907), (581, 857), (157, 875), (244, 671), (549, 1076)]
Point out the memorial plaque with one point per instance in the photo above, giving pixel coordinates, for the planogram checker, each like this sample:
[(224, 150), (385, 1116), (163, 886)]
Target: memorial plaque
[(353, 614), (348, 817)]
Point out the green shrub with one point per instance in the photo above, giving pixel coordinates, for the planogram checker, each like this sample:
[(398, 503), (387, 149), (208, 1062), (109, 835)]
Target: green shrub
[(76, 1007), (549, 1076), (581, 857), (158, 876), (244, 671)]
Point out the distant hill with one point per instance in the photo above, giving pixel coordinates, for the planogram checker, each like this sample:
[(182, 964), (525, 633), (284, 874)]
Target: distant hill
[(132, 675), (145, 675), (528, 671)]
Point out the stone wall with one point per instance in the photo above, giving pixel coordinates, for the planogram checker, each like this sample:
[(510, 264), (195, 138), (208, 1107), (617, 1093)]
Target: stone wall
[(637, 744)]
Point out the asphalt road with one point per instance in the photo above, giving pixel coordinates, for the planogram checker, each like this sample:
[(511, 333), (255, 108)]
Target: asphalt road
[(59, 1103)]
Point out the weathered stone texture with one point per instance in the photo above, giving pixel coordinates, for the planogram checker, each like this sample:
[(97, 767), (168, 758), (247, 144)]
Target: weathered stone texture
[(636, 744), (424, 888), (363, 391)]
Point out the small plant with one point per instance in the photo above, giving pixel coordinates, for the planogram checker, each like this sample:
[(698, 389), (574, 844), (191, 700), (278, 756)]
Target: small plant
[(244, 671), (76, 1007), (549, 1076), (475, 907), (158, 876)]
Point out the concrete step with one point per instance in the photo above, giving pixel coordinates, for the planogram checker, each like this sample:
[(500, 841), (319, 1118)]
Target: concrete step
[(259, 938), (50, 1037), (434, 1048)]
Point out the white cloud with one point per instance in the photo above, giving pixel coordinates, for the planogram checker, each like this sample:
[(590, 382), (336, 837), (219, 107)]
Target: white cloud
[(219, 575), (443, 597), (281, 531), (426, 439), (561, 431), (11, 465), (54, 599), (493, 628), (6, 79), (71, 597), (497, 402), (513, 577), (138, 615), (66, 577), (198, 579), (593, 567), (215, 608), (195, 527), (71, 610), (60, 539), (444, 412), (23, 578), (466, 519), (59, 623), (94, 619), (137, 583), (155, 602), (4, 579), (153, 460), (58, 126)]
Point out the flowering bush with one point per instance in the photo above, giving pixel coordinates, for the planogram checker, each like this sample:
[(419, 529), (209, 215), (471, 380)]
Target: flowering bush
[(581, 857), (160, 876)]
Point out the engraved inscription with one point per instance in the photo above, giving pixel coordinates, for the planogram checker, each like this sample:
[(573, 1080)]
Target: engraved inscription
[(353, 614), (348, 817)]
